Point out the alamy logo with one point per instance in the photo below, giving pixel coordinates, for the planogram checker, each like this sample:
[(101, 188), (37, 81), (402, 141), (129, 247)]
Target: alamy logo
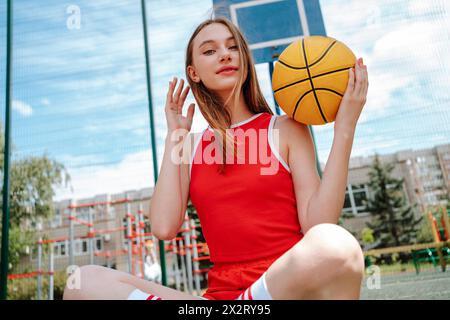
[(252, 147), (74, 278), (374, 278), (74, 20)]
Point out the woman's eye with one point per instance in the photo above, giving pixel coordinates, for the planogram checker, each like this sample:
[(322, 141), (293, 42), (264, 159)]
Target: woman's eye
[(232, 47)]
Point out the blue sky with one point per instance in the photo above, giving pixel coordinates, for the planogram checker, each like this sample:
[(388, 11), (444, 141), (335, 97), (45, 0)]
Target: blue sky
[(80, 94)]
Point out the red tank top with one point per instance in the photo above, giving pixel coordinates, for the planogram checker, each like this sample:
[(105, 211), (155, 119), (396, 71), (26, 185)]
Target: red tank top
[(245, 214)]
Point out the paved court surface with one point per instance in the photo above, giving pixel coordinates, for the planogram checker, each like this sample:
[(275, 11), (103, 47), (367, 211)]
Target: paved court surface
[(427, 285)]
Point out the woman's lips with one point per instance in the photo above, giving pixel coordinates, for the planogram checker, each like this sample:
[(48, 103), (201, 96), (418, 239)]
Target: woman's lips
[(227, 72)]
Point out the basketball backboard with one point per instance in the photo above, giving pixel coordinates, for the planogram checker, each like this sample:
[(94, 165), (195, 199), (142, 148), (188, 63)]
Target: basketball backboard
[(271, 25)]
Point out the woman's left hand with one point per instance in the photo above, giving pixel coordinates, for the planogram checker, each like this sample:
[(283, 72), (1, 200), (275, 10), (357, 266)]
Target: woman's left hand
[(354, 97)]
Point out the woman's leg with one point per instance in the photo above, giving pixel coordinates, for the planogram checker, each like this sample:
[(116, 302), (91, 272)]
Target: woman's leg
[(100, 283), (327, 263)]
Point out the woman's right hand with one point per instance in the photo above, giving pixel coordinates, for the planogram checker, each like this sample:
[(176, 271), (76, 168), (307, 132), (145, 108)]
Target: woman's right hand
[(174, 107)]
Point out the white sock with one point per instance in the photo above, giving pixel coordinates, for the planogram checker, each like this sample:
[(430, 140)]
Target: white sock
[(137, 294), (257, 291)]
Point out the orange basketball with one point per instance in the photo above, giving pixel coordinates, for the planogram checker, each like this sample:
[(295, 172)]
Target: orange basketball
[(310, 78)]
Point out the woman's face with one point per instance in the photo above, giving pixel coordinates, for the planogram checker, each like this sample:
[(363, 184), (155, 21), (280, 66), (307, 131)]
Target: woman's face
[(213, 48)]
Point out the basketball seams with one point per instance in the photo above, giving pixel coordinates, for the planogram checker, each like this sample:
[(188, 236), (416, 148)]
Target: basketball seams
[(298, 102), (313, 77), (331, 90), (316, 89), (291, 84), (312, 84), (323, 55), (289, 66), (312, 64)]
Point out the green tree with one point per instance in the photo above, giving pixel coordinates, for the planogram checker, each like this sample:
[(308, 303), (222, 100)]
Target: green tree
[(32, 182), (424, 233), (393, 221), (367, 235), (26, 289), (20, 242)]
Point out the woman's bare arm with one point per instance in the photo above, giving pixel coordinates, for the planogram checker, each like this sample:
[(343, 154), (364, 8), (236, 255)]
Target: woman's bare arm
[(322, 200), (169, 200)]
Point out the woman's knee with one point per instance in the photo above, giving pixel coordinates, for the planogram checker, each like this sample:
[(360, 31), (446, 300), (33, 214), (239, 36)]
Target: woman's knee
[(335, 248), (81, 279)]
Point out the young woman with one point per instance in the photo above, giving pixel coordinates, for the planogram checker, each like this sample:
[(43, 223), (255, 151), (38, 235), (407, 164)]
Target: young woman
[(271, 235)]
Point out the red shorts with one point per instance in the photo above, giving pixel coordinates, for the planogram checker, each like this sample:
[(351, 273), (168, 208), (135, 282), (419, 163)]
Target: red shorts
[(226, 281)]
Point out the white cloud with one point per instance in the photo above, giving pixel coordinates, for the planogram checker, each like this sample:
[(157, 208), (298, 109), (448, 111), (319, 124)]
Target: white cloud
[(412, 47), (80, 160), (45, 102), (116, 79), (23, 108), (381, 91), (133, 172), (420, 8)]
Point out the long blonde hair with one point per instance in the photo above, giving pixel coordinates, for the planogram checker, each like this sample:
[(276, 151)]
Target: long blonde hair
[(211, 106)]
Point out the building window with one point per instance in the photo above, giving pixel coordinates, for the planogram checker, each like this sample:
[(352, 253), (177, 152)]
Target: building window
[(77, 247), (347, 204), (56, 250), (360, 196), (111, 212), (80, 246), (354, 199), (99, 244)]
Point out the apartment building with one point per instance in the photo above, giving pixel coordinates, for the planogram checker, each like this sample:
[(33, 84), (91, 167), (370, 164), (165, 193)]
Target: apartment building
[(426, 175)]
